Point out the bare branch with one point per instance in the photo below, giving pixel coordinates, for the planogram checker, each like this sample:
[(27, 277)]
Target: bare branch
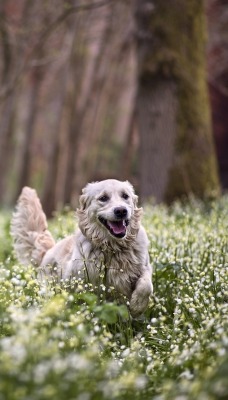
[(72, 9), (40, 41)]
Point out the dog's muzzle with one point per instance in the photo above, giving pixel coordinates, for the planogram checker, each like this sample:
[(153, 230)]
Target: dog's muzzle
[(117, 226)]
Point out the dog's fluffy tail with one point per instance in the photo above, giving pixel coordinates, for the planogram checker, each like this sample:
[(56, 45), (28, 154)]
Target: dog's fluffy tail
[(29, 229)]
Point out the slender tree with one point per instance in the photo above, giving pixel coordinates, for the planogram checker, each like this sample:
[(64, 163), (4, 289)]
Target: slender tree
[(77, 63), (33, 98), (11, 57), (176, 147), (7, 110)]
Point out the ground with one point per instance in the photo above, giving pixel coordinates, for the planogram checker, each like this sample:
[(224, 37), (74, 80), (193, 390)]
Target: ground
[(58, 343)]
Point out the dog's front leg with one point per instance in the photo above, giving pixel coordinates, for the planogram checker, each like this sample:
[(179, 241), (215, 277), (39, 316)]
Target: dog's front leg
[(140, 296)]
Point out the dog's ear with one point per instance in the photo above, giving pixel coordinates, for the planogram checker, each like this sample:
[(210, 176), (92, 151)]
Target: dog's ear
[(85, 198), (135, 200), (83, 202), (133, 195)]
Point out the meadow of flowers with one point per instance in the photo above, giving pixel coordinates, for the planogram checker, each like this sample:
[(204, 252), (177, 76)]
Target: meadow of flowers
[(61, 341)]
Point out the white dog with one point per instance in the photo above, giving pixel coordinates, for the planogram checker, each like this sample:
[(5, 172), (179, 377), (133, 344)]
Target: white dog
[(110, 236)]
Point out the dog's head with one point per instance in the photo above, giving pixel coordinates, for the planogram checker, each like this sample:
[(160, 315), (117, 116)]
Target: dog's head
[(108, 211)]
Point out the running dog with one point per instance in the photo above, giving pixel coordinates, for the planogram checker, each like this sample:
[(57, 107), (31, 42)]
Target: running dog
[(110, 234)]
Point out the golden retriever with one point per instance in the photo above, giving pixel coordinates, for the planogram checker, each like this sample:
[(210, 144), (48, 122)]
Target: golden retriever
[(110, 238)]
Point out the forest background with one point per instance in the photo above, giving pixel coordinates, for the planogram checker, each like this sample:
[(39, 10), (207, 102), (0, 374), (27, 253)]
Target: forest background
[(131, 89)]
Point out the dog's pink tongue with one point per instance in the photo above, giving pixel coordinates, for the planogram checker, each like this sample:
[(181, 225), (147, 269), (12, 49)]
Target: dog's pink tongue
[(117, 226)]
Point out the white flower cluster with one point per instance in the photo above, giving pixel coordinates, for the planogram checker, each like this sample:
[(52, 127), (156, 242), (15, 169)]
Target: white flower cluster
[(62, 340)]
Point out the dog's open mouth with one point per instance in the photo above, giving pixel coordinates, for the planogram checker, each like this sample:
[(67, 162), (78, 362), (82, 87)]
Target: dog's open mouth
[(117, 228)]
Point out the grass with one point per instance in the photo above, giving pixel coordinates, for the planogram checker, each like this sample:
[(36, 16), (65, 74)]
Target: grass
[(60, 343)]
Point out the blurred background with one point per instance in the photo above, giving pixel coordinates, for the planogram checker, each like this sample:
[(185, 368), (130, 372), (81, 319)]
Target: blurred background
[(129, 89)]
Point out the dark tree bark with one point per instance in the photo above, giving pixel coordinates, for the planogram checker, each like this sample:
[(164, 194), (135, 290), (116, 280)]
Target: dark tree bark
[(217, 60), (176, 146)]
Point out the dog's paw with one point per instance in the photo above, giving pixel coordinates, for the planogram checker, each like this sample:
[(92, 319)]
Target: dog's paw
[(140, 298), (138, 306)]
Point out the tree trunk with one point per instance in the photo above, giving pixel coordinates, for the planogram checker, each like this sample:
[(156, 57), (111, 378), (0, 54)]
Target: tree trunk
[(128, 150), (157, 126), (75, 118), (50, 197), (25, 169), (176, 146), (7, 109), (50, 183), (217, 61), (6, 133)]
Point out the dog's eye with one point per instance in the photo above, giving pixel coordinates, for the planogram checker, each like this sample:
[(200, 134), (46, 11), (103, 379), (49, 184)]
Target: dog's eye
[(104, 198), (125, 196)]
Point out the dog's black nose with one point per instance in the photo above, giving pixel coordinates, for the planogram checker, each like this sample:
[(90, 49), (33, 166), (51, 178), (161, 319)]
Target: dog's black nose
[(120, 212)]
